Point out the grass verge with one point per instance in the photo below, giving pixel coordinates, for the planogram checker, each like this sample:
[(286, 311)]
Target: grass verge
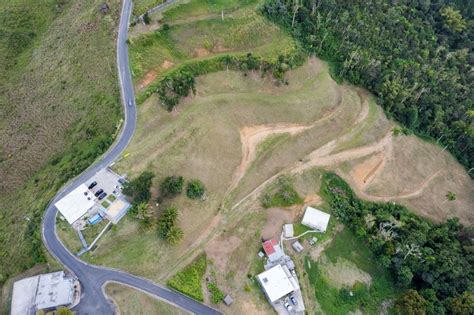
[(189, 280)]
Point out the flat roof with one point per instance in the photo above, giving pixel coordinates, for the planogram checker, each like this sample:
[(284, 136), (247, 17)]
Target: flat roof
[(117, 210), (45, 291), (316, 219), (75, 204), (275, 283)]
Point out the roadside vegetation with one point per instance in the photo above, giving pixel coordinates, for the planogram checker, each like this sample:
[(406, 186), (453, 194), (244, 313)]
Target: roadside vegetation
[(189, 280), (423, 81), (59, 104)]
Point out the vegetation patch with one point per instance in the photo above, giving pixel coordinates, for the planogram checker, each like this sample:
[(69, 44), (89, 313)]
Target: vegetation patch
[(431, 258), (283, 194), (167, 228), (189, 280), (423, 82), (195, 189), (216, 294), (139, 187), (172, 185)]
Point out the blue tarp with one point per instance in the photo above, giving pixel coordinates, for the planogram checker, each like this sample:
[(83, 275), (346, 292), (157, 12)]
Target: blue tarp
[(95, 219)]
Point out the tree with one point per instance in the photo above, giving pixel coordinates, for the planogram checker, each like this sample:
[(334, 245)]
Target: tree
[(139, 188), (64, 311), (461, 305), (450, 196), (172, 185), (174, 235), (453, 19), (195, 189), (146, 18), (411, 303)]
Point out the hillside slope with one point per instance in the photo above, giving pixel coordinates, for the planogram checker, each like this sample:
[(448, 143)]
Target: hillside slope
[(59, 110)]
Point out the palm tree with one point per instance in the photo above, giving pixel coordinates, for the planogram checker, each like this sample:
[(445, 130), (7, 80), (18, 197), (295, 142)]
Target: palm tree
[(175, 234), (450, 196), (143, 211)]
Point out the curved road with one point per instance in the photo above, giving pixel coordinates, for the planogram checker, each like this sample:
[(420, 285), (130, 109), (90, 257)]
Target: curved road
[(93, 278)]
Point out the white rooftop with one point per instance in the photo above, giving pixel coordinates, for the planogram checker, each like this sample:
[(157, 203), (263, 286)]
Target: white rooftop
[(75, 204), (275, 283), (46, 291), (316, 219)]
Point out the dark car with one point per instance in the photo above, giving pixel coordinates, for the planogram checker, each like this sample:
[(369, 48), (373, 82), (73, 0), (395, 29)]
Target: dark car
[(293, 300), (97, 193), (122, 181), (102, 195), (92, 185)]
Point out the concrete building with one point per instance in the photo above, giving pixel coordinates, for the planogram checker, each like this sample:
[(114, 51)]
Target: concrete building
[(272, 250), (275, 283), (316, 219), (75, 204), (288, 230), (44, 292)]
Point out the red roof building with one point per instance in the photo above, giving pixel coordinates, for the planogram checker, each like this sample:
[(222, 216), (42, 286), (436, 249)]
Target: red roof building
[(272, 249)]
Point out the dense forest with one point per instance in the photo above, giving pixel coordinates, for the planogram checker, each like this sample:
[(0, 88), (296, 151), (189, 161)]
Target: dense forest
[(414, 55), (434, 262)]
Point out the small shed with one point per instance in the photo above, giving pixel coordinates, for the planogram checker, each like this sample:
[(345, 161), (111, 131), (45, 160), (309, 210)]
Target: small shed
[(297, 247), (316, 219), (288, 230), (228, 300)]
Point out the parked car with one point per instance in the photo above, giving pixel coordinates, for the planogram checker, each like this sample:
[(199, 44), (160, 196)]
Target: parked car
[(92, 185), (288, 306), (122, 181), (102, 195), (293, 300), (97, 193)]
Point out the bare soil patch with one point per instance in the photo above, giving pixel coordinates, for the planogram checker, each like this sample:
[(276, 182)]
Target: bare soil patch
[(149, 77), (276, 217), (220, 248)]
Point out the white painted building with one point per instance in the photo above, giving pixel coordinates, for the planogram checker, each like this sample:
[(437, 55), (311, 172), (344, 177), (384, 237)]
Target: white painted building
[(75, 204), (44, 292), (275, 283), (316, 219)]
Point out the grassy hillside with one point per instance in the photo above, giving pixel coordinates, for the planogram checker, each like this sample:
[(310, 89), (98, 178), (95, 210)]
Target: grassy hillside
[(59, 110)]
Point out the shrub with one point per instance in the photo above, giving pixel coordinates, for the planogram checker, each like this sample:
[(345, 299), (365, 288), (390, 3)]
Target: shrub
[(284, 196), (172, 185), (139, 188), (188, 281), (216, 294), (166, 222), (195, 189)]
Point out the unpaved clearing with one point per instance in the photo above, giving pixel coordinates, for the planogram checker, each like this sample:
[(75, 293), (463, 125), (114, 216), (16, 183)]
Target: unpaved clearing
[(276, 217), (150, 76), (343, 273), (219, 249)]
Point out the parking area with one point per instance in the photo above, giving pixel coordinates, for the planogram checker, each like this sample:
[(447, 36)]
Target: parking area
[(105, 183)]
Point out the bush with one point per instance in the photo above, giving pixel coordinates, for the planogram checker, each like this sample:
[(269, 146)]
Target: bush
[(188, 281), (139, 188), (285, 195), (166, 223), (195, 189), (172, 185), (216, 294)]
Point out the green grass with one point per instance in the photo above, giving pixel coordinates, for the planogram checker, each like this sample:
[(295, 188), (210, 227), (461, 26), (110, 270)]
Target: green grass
[(111, 198), (59, 100), (188, 281), (367, 298), (199, 8), (105, 204), (93, 230), (197, 39), (141, 6)]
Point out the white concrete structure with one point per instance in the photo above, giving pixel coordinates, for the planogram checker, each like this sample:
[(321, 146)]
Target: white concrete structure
[(316, 219), (275, 283), (75, 204), (288, 230), (43, 292)]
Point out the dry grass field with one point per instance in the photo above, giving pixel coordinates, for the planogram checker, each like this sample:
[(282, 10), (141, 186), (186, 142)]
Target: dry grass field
[(236, 135), (128, 301)]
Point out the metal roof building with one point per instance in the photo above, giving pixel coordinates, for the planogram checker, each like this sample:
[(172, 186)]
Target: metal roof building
[(75, 204), (316, 219), (273, 250)]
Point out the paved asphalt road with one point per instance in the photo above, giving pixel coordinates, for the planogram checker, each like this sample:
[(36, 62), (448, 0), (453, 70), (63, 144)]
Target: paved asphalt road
[(93, 278)]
